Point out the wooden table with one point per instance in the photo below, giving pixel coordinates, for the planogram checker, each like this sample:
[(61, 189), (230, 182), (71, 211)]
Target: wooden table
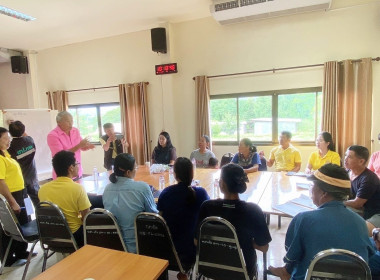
[(281, 188), (91, 262), (267, 189)]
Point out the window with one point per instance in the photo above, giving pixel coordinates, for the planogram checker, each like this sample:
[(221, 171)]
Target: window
[(89, 119), (262, 116)]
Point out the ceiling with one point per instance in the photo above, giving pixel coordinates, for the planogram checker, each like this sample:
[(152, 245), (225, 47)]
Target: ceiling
[(63, 22)]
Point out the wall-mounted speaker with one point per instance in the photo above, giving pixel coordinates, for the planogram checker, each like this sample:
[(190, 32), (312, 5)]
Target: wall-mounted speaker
[(158, 36), (19, 64)]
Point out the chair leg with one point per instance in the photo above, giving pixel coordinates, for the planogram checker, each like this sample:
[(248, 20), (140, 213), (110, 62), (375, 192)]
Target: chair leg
[(6, 255), (46, 251), (279, 221), (28, 260), (264, 266)]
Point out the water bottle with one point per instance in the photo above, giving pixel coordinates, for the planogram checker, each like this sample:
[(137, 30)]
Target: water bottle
[(171, 176), (161, 183), (194, 162), (216, 188), (95, 174)]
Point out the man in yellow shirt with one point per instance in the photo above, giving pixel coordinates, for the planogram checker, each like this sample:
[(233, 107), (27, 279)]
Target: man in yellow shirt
[(285, 157), (69, 196)]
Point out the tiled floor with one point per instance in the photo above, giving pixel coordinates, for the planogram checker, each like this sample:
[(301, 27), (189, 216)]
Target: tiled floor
[(274, 256)]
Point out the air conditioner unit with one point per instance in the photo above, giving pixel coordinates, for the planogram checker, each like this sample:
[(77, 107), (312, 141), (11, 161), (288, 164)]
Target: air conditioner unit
[(233, 11)]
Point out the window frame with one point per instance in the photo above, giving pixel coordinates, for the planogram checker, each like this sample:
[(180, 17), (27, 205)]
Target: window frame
[(98, 116), (274, 94)]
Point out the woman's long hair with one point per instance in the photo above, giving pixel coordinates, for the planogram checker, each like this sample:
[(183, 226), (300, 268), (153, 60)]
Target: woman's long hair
[(169, 144), (184, 172), (328, 138), (123, 162)]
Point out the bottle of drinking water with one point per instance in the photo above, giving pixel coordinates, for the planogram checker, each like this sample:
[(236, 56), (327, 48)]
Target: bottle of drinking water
[(194, 162), (161, 182), (216, 188), (171, 176), (96, 178)]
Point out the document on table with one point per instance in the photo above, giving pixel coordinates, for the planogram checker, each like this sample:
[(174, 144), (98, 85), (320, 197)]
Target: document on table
[(300, 174), (293, 207)]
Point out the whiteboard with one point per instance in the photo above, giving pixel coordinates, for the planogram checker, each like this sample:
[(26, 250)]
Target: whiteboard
[(38, 123)]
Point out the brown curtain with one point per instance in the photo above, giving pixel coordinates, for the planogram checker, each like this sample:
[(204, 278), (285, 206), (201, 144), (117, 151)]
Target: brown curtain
[(134, 119), (347, 103), (202, 91), (58, 100)]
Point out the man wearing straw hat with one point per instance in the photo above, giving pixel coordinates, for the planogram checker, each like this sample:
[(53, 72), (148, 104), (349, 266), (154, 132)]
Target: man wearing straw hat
[(331, 225)]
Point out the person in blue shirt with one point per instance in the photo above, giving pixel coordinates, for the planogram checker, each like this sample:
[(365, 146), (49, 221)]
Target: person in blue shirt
[(247, 157), (179, 205), (331, 225), (125, 198)]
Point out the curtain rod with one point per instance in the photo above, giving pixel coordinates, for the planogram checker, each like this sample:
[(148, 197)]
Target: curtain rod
[(279, 69), (95, 88)]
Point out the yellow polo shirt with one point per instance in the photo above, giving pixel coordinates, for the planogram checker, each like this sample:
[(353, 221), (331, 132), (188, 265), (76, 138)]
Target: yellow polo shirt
[(69, 196), (284, 160), (317, 161), (10, 172)]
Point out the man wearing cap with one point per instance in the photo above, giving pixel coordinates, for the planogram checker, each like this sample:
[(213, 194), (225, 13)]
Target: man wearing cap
[(365, 185), (331, 225)]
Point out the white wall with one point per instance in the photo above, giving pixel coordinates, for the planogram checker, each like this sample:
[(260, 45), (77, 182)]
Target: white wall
[(12, 88), (203, 47)]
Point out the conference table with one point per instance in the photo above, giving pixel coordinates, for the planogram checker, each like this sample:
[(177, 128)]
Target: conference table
[(265, 188), (97, 263)]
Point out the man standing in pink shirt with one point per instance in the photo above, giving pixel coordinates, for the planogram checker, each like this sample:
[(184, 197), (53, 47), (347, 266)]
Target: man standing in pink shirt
[(66, 137), (374, 162)]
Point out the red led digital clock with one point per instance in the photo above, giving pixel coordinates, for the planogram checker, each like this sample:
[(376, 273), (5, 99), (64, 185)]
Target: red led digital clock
[(166, 68)]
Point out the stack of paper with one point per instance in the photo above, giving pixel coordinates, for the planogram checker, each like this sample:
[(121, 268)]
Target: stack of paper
[(293, 207)]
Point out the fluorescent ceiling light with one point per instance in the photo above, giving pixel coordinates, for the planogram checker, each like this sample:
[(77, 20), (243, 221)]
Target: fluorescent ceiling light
[(12, 13)]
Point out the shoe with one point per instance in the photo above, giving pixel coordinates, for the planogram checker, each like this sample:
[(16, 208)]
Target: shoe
[(25, 255), (19, 262), (10, 260)]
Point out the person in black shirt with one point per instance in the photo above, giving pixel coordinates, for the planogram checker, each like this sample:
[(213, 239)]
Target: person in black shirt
[(365, 185), (112, 144), (164, 152), (23, 150), (247, 218)]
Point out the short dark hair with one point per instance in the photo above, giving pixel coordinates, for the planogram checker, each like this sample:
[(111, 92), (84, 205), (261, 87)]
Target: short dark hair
[(183, 169), (107, 125), (360, 152), (328, 138), (288, 134), (122, 163), (234, 177), (62, 161), (213, 161), (16, 129), (249, 144)]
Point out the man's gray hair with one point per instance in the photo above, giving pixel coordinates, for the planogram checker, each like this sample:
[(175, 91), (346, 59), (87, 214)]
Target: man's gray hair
[(61, 115)]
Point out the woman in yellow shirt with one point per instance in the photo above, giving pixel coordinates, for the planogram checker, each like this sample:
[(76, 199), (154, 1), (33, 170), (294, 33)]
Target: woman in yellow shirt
[(12, 188), (325, 153)]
